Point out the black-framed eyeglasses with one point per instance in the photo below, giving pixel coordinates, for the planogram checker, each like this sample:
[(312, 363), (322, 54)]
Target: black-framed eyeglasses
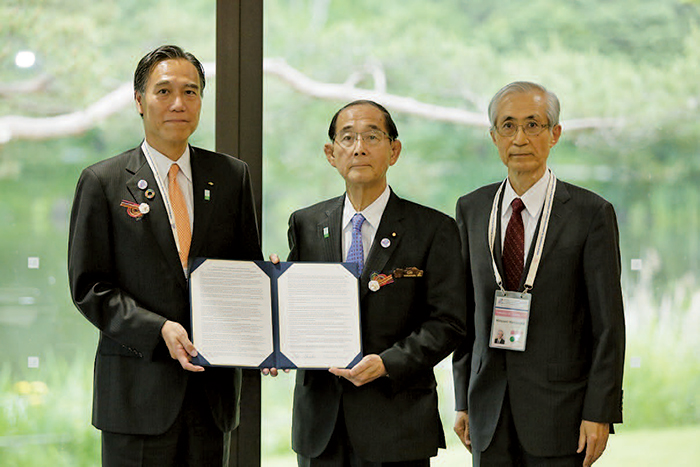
[(509, 129), (347, 139)]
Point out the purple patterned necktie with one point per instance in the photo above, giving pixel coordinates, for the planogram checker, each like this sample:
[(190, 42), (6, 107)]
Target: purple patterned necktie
[(356, 253), (514, 247)]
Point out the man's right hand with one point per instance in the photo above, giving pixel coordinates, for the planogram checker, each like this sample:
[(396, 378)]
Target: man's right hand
[(462, 428), (275, 259), (272, 371), (179, 345)]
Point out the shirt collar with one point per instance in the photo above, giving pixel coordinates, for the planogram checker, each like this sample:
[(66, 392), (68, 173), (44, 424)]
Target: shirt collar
[(372, 213), (163, 162), (533, 199)]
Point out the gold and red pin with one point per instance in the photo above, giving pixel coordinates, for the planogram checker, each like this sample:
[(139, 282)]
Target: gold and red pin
[(407, 272), (135, 210), (377, 281)]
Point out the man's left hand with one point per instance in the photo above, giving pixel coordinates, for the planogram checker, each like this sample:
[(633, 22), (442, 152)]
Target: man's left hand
[(370, 368), (593, 437)]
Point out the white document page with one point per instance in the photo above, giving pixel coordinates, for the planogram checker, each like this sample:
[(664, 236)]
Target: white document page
[(319, 315), (231, 319)]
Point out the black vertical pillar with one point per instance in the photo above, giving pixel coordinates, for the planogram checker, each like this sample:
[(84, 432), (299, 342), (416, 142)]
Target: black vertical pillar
[(239, 31)]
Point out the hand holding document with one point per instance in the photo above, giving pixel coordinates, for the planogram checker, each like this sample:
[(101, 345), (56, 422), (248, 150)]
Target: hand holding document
[(257, 314)]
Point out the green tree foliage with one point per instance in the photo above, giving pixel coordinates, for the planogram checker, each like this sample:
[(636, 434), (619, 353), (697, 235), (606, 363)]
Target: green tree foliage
[(604, 58)]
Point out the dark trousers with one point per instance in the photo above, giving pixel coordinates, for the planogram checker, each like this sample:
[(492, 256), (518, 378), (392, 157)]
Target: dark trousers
[(340, 453), (505, 449), (192, 440)]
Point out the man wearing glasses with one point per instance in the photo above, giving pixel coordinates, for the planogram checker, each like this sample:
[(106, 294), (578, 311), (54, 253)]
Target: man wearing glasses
[(384, 410), (543, 266)]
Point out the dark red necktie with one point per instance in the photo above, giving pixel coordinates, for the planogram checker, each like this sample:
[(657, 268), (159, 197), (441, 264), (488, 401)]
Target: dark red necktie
[(514, 247)]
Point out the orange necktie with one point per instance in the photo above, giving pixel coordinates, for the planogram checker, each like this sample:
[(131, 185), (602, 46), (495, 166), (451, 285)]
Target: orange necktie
[(182, 218)]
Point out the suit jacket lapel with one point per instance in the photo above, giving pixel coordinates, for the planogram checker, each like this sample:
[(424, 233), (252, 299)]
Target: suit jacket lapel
[(391, 229), (157, 218), (204, 187), (497, 247), (329, 230), (557, 221)]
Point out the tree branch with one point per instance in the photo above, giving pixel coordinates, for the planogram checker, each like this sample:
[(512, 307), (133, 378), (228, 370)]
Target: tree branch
[(14, 127), (40, 83)]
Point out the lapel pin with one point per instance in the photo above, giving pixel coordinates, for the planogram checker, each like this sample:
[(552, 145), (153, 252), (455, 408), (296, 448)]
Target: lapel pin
[(393, 234), (378, 281), (133, 209), (407, 272), (385, 242), (210, 183), (207, 195), (150, 193), (144, 208), (142, 184), (325, 232)]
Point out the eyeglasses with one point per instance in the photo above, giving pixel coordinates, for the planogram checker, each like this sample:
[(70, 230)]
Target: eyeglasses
[(508, 129), (371, 138)]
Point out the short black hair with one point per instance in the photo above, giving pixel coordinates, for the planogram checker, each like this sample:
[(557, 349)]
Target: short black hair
[(388, 121), (153, 58)]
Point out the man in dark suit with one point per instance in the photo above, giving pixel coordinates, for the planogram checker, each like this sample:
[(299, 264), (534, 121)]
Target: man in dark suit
[(499, 337), (384, 410), (549, 394), (128, 254)]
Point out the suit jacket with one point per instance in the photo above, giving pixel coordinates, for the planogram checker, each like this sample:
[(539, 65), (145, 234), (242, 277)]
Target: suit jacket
[(412, 324), (572, 366), (126, 279)]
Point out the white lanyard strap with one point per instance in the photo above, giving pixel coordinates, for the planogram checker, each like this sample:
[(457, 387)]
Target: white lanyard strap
[(541, 234), (492, 233)]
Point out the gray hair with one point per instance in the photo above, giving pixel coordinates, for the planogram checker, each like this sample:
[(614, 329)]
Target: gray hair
[(522, 87)]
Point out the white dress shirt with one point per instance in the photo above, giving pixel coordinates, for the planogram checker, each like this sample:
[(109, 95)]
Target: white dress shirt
[(160, 166), (372, 214), (533, 199)]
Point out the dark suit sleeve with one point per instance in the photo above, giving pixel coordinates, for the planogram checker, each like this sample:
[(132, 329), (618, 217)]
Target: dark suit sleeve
[(444, 309), (249, 237), (461, 358), (601, 264), (292, 239), (92, 280)]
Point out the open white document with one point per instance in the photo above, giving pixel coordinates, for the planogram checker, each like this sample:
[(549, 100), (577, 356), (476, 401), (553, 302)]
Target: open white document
[(261, 315)]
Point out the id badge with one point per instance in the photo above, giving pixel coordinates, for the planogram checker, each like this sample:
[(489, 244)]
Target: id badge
[(511, 316)]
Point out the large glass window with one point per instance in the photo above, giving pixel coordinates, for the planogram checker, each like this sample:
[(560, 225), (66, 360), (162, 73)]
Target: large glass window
[(67, 66), (630, 105)]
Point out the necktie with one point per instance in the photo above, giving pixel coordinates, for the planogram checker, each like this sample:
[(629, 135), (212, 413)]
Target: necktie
[(514, 247), (182, 218), (356, 253)]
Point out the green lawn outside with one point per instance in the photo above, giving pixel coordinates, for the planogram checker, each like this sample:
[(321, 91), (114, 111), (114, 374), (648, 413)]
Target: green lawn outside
[(679, 447)]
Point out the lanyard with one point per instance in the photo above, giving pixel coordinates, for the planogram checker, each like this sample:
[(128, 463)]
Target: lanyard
[(166, 199), (542, 232)]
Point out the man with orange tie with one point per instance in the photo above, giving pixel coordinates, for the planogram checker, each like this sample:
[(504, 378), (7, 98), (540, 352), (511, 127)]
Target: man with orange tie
[(136, 221)]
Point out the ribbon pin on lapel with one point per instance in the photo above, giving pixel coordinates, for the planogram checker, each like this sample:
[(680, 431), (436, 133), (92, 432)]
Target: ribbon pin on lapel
[(135, 210), (378, 281)]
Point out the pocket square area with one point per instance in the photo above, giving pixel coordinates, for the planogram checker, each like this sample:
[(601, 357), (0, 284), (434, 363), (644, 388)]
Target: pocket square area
[(407, 272)]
